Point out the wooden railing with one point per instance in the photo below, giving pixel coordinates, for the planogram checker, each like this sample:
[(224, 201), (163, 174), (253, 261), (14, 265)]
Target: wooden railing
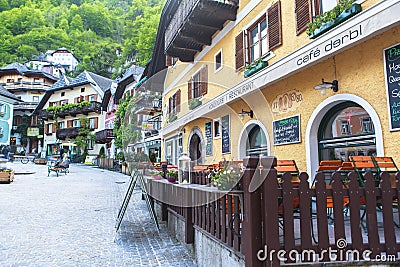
[(286, 215)]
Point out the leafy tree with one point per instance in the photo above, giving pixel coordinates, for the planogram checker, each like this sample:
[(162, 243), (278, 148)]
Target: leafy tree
[(84, 136)]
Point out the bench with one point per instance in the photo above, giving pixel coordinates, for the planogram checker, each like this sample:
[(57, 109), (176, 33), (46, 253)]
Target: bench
[(61, 168), (285, 165)]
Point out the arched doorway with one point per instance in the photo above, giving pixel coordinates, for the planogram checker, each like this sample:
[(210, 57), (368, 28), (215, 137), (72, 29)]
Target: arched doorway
[(325, 114), (346, 130), (253, 140), (195, 147)]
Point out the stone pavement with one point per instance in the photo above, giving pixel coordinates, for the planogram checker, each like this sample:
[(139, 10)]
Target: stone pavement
[(69, 221)]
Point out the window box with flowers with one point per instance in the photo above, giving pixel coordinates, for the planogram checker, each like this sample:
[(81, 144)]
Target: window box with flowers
[(344, 10), (194, 103), (172, 118), (255, 67)]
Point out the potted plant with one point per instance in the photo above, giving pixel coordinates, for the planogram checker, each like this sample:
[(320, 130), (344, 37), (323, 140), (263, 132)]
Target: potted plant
[(172, 176), (255, 67), (226, 178), (156, 175), (6, 175)]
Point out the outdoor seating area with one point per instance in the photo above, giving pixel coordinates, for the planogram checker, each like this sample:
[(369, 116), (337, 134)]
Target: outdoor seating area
[(354, 202)]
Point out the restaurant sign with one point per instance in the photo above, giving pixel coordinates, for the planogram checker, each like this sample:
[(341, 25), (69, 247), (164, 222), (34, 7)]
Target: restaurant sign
[(286, 131), (32, 131)]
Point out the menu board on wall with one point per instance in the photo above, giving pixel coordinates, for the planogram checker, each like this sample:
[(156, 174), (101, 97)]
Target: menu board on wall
[(208, 130), (287, 130), (226, 142), (392, 71)]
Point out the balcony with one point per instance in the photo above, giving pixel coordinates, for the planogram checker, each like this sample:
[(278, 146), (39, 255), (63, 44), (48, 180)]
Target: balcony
[(70, 110), (148, 106), (104, 136), (194, 24), (67, 133), (25, 86)]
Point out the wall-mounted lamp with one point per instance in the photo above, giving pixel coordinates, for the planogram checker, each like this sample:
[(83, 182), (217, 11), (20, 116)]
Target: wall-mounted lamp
[(248, 113), (327, 85)]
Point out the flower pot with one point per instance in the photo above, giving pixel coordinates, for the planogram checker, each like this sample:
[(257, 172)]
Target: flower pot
[(157, 177), (171, 179), (255, 68), (6, 177), (172, 118), (194, 104)]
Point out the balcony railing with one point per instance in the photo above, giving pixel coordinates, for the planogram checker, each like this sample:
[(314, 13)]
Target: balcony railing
[(67, 133), (194, 24), (104, 136), (72, 111), (23, 86)]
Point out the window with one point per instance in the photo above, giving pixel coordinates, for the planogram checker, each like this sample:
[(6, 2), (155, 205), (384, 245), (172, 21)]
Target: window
[(92, 98), (62, 93), (90, 145), (19, 80), (93, 123), (61, 125), (258, 46), (218, 61), (35, 99), (174, 103), (2, 108), (63, 102), (367, 125), (257, 142), (35, 120), (82, 90), (76, 123), (198, 84), (345, 127), (36, 80), (50, 128), (10, 80), (260, 38), (217, 128), (327, 5)]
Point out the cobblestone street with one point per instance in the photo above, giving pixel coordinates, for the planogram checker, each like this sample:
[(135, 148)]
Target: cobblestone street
[(69, 221)]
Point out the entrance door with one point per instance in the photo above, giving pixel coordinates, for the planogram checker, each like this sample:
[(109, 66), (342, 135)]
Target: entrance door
[(195, 149), (346, 130)]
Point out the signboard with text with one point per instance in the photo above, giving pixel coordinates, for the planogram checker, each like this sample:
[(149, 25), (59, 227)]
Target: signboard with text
[(32, 131), (286, 131), (226, 142), (392, 77), (208, 130)]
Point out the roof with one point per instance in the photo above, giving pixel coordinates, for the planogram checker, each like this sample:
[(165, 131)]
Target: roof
[(7, 94), (86, 77), (25, 71), (131, 75), (41, 58)]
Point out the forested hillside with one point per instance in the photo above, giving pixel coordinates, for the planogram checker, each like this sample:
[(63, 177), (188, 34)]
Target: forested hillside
[(104, 34)]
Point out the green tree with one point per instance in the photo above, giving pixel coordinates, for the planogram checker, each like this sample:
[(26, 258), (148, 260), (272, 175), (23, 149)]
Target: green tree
[(84, 136)]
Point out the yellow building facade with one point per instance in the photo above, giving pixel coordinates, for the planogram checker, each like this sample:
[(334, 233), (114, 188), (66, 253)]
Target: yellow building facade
[(327, 97)]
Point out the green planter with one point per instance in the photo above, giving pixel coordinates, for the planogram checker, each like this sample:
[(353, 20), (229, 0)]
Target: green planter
[(172, 118), (194, 103), (345, 15), (255, 68)]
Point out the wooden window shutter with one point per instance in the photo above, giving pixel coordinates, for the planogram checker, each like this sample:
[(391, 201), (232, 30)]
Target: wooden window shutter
[(170, 105), (204, 80), (239, 51), (58, 103), (168, 61), (46, 129), (303, 15), (274, 23), (96, 123), (70, 123), (53, 127), (178, 101), (190, 89), (76, 100), (86, 98), (95, 97)]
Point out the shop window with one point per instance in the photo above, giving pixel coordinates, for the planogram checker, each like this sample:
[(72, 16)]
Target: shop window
[(260, 38), (218, 61), (13, 141), (346, 130), (198, 84)]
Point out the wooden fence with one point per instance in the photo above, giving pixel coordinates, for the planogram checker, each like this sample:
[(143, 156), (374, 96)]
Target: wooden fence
[(271, 214)]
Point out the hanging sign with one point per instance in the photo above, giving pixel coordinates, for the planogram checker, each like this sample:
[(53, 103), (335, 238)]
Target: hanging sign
[(286, 131), (208, 130), (32, 131), (226, 142), (392, 77)]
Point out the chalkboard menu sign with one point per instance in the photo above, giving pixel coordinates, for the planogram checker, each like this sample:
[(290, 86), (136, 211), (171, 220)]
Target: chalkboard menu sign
[(287, 130), (226, 142), (392, 71), (208, 127)]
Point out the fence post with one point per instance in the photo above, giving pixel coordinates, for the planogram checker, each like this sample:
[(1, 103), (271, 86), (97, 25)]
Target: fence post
[(252, 232)]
